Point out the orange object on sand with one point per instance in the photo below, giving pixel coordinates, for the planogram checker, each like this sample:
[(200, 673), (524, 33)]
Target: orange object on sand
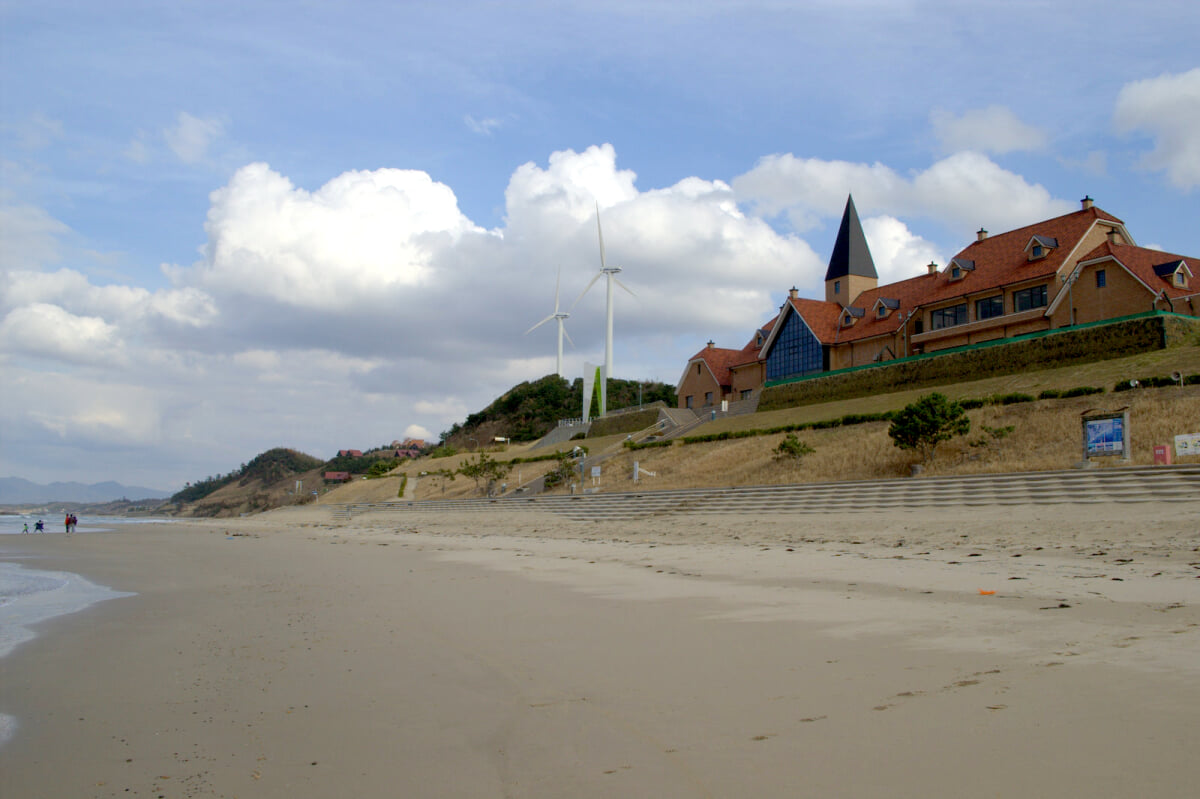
[(985, 593)]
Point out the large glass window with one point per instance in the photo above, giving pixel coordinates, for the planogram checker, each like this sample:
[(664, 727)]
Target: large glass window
[(990, 307), (948, 317), (1027, 299), (796, 351)]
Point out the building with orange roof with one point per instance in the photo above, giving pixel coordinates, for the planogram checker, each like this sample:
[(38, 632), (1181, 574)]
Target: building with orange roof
[(1073, 269)]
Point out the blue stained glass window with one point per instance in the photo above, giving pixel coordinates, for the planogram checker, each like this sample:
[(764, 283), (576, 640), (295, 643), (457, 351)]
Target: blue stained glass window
[(796, 351)]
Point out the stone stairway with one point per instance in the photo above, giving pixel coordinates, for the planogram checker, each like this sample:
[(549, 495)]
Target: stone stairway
[(1082, 486)]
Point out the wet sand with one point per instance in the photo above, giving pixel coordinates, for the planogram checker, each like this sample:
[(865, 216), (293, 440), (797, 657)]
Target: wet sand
[(524, 655)]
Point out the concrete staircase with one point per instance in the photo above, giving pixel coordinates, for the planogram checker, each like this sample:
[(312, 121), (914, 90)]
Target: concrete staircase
[(1082, 486)]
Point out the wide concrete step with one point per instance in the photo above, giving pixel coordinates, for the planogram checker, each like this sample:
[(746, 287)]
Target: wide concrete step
[(1128, 484)]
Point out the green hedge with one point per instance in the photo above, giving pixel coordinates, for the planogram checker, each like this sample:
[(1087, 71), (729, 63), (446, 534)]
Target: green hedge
[(623, 423), (1082, 344)]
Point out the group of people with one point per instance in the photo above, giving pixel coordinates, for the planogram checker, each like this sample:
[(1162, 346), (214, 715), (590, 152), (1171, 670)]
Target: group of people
[(69, 523)]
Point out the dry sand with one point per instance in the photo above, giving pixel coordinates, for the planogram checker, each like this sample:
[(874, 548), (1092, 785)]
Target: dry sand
[(421, 655)]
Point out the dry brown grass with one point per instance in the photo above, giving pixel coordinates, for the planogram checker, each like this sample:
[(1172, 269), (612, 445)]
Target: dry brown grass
[(1046, 436)]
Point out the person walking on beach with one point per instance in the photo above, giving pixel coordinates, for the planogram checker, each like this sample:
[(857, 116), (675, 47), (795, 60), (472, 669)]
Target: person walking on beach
[(74, 522), (26, 530), (67, 524), (39, 527)]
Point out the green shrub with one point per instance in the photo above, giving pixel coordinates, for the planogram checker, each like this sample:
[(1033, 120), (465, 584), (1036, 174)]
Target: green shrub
[(792, 447), (927, 422), (1050, 393), (647, 444), (1082, 391), (442, 451), (1011, 399), (403, 484)]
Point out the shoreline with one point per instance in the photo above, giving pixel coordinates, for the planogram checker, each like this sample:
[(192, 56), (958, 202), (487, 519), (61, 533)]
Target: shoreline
[(526, 655)]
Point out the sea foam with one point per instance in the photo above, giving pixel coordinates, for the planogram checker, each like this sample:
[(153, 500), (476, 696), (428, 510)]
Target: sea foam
[(29, 596)]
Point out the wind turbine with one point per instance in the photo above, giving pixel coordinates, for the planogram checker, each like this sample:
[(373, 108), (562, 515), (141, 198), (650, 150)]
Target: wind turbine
[(560, 316), (609, 272)]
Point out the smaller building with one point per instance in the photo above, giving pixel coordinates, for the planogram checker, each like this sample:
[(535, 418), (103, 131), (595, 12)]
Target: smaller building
[(337, 477), (353, 453)]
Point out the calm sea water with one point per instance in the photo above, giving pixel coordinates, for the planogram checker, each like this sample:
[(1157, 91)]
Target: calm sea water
[(29, 596)]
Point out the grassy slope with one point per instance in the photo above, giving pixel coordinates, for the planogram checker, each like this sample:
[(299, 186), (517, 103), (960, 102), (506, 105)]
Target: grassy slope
[(1047, 436)]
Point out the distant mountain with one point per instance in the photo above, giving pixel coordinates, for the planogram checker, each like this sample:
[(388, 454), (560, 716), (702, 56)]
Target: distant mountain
[(17, 491)]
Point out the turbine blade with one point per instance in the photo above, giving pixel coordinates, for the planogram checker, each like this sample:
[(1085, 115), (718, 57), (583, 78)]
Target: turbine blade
[(567, 335), (600, 233), (539, 324), (622, 285), (585, 291), (557, 282)]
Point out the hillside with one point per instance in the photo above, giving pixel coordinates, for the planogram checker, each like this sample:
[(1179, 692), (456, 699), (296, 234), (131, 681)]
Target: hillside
[(1046, 435), (529, 410)]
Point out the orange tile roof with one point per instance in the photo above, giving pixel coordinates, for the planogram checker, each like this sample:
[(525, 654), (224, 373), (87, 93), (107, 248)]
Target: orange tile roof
[(1001, 260), (1141, 262), (719, 359)]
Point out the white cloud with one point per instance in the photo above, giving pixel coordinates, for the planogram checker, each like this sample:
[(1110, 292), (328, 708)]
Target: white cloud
[(995, 129), (963, 191), (1167, 107), (898, 253), (360, 235), (484, 127), (29, 237), (192, 136), (51, 332), (419, 432)]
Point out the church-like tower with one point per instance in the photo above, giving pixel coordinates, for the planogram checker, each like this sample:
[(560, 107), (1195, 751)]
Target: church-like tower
[(851, 269)]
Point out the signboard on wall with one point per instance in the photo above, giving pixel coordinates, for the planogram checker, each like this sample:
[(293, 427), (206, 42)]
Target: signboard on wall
[(1105, 436), (1187, 444), (1106, 433)]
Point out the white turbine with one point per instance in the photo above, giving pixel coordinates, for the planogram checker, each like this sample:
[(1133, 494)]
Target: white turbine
[(609, 272), (560, 316)]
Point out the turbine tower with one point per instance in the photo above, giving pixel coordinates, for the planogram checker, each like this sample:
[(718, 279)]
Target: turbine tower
[(609, 272), (560, 317)]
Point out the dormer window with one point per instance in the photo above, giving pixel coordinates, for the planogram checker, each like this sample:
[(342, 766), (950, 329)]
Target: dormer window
[(884, 306), (958, 268), (1040, 246), (851, 314), (1174, 272)]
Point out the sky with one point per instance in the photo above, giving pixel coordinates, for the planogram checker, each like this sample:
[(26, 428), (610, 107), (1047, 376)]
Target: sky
[(227, 227)]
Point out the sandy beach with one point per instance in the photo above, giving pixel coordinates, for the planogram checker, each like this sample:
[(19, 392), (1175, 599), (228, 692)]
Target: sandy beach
[(1019, 651)]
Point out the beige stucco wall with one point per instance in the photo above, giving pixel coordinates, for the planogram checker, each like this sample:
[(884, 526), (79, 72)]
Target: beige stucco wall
[(696, 383), (1122, 295)]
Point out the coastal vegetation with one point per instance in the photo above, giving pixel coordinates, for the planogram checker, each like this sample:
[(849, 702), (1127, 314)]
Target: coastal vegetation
[(1025, 422), (929, 421), (529, 410)]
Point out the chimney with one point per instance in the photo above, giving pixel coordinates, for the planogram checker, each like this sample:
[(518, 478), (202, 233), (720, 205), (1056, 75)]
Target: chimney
[(710, 344), (1087, 202), (981, 234), (792, 292), (932, 268), (1113, 236)]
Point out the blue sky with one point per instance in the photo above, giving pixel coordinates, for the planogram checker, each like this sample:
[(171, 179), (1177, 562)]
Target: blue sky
[(231, 226)]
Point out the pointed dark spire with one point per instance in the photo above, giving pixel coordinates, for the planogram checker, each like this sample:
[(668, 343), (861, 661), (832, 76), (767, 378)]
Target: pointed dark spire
[(851, 256)]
